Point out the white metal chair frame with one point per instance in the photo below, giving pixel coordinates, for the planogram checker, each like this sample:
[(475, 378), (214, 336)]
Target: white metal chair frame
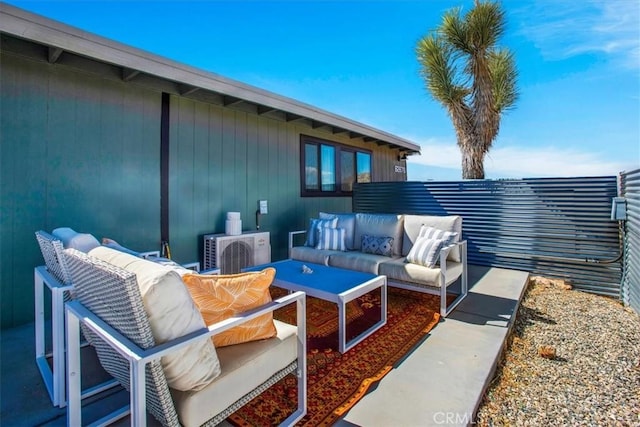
[(55, 277), (445, 309), (140, 360)]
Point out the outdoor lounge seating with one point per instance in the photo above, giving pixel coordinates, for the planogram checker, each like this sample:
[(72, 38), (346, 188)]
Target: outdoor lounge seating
[(418, 252), (112, 305), (55, 277)]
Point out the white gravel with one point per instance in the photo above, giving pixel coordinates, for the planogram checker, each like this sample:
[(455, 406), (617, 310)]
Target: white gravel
[(594, 378)]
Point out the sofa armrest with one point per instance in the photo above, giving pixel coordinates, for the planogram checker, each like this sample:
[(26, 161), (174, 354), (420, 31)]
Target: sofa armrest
[(464, 288), (291, 235), (148, 254)]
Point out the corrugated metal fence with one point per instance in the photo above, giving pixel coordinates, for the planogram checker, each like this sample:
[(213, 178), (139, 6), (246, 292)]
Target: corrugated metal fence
[(556, 227), (630, 189)]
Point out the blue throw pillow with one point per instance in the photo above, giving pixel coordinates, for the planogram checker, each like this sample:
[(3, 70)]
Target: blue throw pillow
[(377, 245), (315, 225), (70, 238)]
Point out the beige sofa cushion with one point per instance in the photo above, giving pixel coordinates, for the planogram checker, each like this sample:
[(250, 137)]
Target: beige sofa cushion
[(172, 314), (383, 225), (412, 224), (358, 261), (312, 255), (244, 367), (400, 270)]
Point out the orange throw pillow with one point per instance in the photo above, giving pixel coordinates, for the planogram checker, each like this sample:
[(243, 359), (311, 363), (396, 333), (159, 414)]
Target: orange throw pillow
[(219, 297)]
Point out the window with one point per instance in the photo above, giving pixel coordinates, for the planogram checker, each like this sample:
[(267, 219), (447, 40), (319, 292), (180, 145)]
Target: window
[(331, 169)]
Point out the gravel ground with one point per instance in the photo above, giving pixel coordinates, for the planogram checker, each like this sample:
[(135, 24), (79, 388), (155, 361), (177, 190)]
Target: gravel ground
[(573, 359)]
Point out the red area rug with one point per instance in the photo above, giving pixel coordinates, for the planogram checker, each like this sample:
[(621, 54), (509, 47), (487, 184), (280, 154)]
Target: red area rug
[(337, 381)]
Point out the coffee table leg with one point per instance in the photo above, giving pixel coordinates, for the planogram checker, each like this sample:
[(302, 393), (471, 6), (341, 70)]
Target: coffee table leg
[(342, 326), (343, 346)]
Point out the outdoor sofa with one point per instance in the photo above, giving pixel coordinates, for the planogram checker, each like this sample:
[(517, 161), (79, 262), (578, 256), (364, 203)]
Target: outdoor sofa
[(418, 252)]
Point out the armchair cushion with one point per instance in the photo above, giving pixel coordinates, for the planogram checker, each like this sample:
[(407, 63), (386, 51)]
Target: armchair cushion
[(172, 314), (220, 297), (244, 367)]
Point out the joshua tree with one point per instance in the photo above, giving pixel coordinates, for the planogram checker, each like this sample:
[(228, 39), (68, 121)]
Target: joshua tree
[(471, 77)]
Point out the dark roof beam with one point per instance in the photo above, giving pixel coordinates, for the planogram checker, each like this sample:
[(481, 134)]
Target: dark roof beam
[(230, 101), (185, 90), (54, 54), (288, 117), (264, 110), (128, 74)]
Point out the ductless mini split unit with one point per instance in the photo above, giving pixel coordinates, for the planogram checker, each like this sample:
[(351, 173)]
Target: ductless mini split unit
[(233, 253)]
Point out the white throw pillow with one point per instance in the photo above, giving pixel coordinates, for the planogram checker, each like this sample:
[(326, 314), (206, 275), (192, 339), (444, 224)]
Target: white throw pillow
[(449, 237), (172, 314), (331, 239), (315, 225), (425, 251)]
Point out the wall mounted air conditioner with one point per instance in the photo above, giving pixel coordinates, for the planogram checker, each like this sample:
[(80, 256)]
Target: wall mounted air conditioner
[(233, 253)]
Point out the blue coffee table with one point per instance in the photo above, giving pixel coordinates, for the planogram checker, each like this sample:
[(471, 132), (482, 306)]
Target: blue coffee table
[(331, 284)]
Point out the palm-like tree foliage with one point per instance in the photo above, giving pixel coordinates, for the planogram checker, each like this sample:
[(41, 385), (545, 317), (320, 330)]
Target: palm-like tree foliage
[(471, 77)]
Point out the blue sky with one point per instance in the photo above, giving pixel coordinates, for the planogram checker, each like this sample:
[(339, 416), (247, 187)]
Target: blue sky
[(578, 61)]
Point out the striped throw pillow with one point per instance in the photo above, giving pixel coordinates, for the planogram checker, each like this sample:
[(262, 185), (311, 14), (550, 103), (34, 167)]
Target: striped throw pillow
[(331, 239), (425, 251), (315, 225), (449, 237)]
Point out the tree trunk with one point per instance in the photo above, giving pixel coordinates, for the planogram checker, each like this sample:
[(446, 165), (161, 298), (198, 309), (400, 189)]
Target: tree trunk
[(472, 162)]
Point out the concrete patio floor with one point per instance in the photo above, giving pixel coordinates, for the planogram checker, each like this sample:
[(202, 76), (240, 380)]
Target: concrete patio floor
[(440, 382)]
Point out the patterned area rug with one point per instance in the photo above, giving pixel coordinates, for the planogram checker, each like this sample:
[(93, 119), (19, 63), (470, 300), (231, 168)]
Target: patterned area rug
[(337, 381)]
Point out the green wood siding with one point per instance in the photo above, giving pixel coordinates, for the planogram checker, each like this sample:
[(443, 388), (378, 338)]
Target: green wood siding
[(225, 160), (82, 149), (77, 150)]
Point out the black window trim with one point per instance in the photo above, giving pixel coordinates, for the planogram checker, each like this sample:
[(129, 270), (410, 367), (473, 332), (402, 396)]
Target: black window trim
[(338, 149)]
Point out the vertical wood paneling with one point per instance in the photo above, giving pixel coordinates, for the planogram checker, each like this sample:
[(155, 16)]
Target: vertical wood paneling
[(77, 150), (83, 151), (242, 158)]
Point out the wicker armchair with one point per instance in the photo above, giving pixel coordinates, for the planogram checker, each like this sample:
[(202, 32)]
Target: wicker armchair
[(55, 277), (108, 307)]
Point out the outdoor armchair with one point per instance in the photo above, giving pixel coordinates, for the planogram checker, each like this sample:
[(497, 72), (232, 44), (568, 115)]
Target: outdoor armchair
[(55, 276), (108, 305)]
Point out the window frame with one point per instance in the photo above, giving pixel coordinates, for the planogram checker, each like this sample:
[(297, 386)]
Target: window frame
[(338, 149)]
